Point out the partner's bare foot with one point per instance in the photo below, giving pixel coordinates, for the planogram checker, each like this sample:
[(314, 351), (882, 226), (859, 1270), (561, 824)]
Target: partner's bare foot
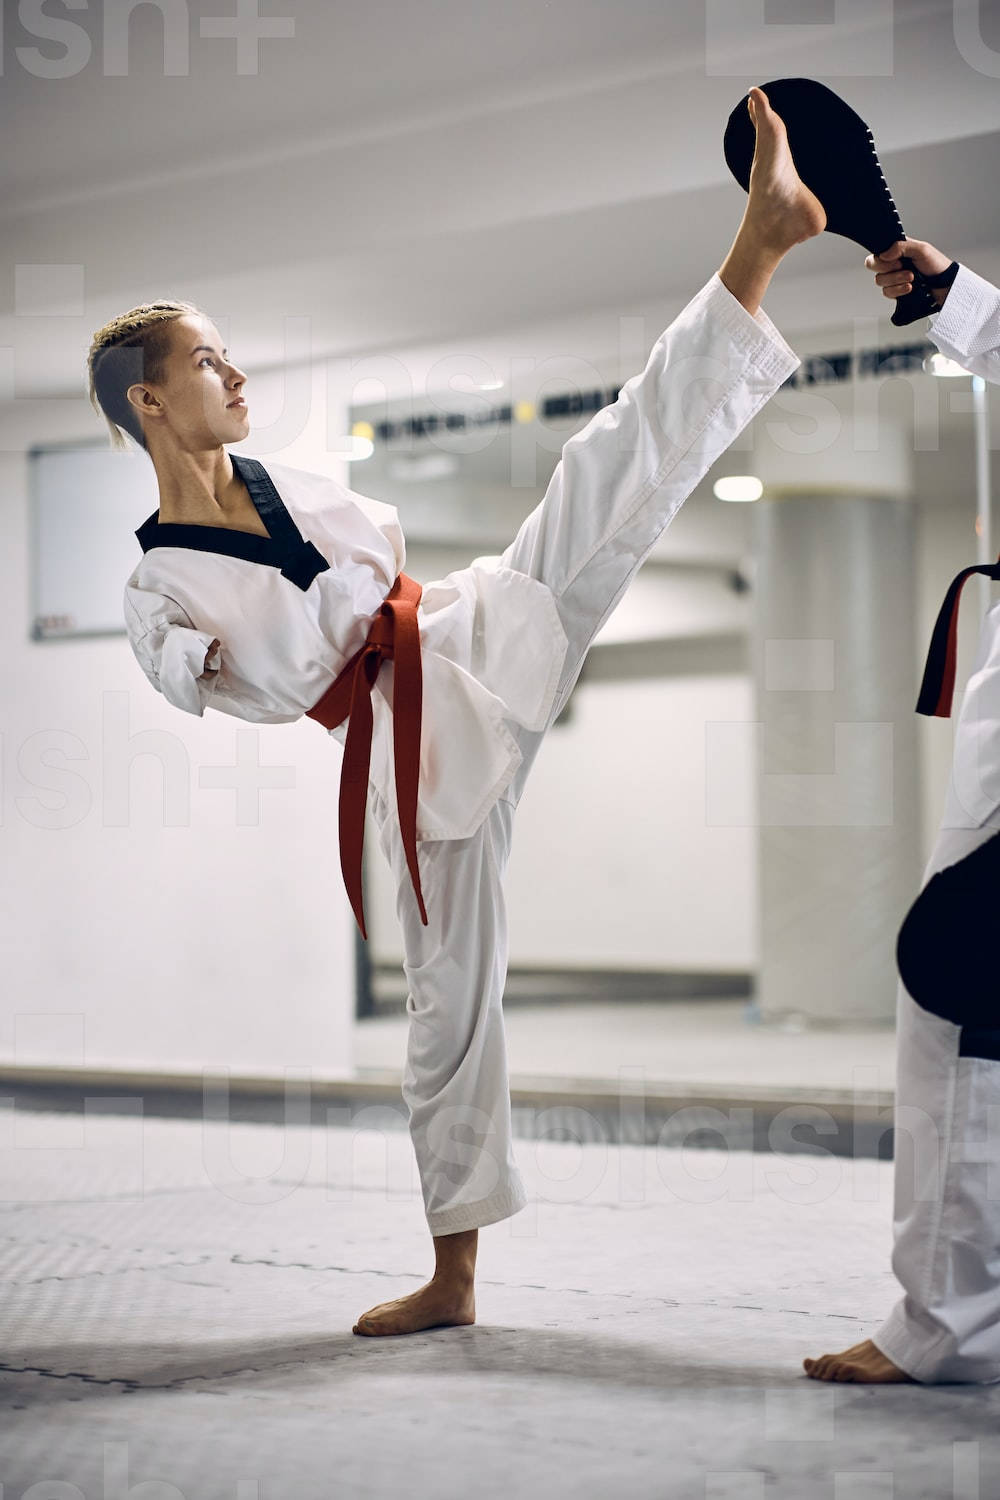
[(439, 1304), (782, 210), (862, 1364)]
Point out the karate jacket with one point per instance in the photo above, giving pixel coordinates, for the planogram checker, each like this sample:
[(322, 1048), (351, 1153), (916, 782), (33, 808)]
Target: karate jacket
[(967, 330), (492, 644), (291, 609)]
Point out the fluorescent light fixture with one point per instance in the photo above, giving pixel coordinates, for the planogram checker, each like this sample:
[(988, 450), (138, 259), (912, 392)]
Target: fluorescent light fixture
[(738, 487), (940, 364)]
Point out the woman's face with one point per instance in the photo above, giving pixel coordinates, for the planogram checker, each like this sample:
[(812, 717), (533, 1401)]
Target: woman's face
[(193, 403)]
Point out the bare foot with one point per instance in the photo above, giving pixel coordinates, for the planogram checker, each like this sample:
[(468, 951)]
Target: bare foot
[(781, 210), (862, 1364), (439, 1304)]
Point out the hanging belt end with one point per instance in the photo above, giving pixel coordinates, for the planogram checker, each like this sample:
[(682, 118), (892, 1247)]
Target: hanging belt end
[(935, 708), (418, 892), (358, 908)]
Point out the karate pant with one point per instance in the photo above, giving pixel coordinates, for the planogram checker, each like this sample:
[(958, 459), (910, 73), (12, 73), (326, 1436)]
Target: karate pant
[(946, 1216), (616, 487)]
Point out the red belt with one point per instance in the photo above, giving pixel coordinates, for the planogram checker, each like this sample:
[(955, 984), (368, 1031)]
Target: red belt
[(938, 684), (394, 636)]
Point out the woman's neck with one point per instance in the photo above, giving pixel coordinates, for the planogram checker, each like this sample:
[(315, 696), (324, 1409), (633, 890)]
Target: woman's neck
[(194, 486)]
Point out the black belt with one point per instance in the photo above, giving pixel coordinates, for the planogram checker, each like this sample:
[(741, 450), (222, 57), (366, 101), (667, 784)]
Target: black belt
[(938, 685)]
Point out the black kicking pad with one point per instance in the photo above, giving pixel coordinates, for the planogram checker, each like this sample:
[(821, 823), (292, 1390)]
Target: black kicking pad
[(834, 154)]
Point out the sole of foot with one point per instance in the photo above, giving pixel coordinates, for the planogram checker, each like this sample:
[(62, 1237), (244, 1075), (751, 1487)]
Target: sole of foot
[(780, 202)]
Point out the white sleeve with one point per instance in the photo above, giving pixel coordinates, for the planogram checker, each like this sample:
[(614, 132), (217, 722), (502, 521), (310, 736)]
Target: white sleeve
[(386, 518), (967, 329), (173, 655)]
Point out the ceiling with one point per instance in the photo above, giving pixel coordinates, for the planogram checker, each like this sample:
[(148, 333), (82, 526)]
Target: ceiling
[(398, 176)]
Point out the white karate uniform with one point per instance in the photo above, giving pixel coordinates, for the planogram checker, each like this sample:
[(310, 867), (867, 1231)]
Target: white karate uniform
[(502, 644), (946, 1252)]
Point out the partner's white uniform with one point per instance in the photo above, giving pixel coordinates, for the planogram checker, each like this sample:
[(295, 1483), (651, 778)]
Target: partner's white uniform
[(947, 1151), (502, 644)]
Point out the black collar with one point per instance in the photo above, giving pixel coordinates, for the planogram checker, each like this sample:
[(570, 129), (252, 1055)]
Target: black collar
[(285, 548)]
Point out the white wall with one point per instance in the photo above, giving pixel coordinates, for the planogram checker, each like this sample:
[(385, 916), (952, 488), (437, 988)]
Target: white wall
[(614, 863), (140, 923)]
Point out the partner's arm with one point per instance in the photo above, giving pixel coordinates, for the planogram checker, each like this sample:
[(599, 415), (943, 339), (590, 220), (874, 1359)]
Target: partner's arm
[(967, 328)]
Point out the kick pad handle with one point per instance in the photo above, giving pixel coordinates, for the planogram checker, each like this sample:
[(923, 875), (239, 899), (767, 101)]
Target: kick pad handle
[(918, 302)]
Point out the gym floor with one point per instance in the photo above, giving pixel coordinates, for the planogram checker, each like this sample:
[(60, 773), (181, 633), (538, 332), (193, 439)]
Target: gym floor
[(179, 1296)]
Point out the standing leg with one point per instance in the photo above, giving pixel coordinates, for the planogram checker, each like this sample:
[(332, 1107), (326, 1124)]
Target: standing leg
[(946, 1253), (455, 1081)]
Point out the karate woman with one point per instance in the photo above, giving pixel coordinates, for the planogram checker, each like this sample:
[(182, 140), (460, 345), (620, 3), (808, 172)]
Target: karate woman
[(268, 593), (946, 1214)]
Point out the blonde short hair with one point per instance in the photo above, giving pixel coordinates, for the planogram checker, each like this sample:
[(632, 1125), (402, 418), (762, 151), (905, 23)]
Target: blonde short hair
[(131, 348)]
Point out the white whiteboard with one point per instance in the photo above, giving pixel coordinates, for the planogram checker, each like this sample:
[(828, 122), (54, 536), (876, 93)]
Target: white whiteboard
[(87, 502)]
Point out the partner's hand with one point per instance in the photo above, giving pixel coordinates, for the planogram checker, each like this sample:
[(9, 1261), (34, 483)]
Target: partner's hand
[(890, 274)]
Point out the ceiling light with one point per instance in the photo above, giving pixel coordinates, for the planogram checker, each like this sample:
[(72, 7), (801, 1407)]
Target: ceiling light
[(738, 487)]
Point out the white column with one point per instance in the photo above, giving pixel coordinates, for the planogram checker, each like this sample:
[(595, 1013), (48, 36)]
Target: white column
[(834, 660)]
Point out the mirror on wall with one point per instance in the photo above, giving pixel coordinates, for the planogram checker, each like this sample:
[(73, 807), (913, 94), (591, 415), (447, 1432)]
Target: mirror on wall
[(86, 501)]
